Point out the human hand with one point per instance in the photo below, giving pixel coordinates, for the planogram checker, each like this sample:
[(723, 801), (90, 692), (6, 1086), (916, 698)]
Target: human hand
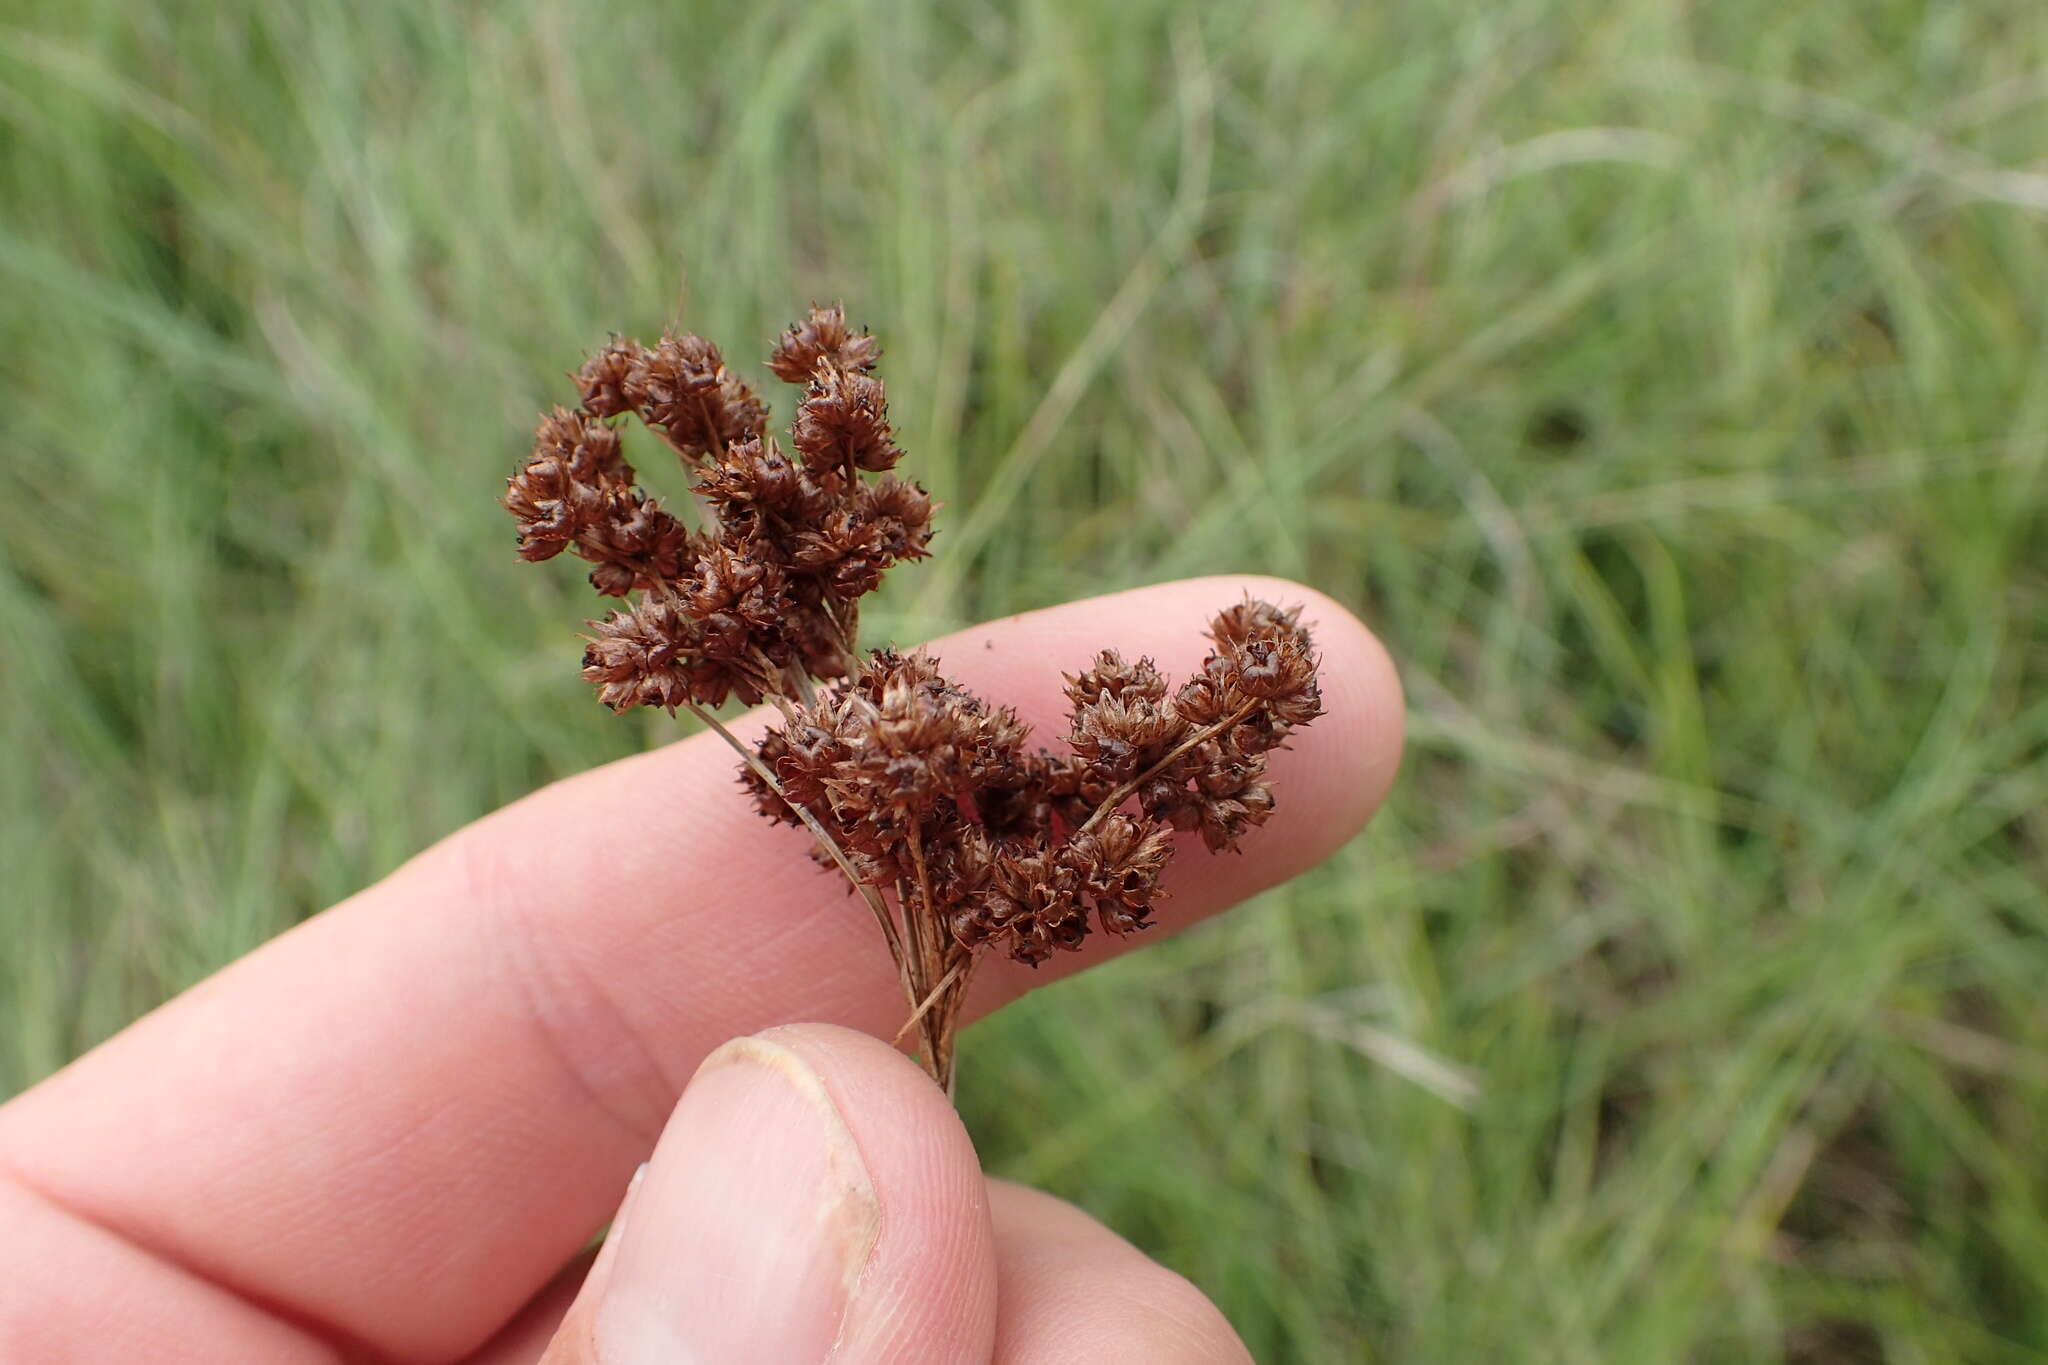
[(384, 1135), (815, 1188)]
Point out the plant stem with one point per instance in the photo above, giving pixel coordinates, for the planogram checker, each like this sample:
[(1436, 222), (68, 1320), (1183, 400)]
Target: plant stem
[(848, 629), (953, 973), (791, 675), (824, 837), (949, 1020), (1122, 794), (915, 958), (803, 684), (711, 428), (929, 931)]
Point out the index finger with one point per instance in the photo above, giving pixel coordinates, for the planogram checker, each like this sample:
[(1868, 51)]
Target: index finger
[(394, 1122)]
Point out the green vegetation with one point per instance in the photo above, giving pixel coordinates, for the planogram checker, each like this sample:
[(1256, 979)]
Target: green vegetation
[(1665, 382)]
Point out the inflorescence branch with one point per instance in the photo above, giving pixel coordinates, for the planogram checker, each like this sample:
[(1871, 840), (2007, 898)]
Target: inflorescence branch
[(960, 836)]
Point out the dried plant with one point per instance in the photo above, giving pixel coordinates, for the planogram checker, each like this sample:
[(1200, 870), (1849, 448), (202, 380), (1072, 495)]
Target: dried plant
[(961, 837)]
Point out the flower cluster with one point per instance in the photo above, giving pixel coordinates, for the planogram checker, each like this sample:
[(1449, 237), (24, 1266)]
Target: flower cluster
[(960, 836), (931, 793), (768, 588), (1198, 759)]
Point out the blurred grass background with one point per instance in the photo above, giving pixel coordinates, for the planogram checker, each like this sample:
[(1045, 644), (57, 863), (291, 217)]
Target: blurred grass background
[(1663, 381)]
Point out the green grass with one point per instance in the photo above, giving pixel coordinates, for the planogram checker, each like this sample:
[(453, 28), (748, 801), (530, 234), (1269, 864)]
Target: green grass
[(1668, 384)]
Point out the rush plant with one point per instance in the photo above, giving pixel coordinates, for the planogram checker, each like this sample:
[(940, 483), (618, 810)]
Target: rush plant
[(959, 834)]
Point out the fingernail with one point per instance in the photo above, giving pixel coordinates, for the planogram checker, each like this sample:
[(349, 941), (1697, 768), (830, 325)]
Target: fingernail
[(751, 1228)]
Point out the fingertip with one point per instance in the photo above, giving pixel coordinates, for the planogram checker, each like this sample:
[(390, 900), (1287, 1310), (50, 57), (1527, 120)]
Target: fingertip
[(813, 1194), (1332, 775), (1349, 757), (1074, 1291), (1327, 781), (930, 1282)]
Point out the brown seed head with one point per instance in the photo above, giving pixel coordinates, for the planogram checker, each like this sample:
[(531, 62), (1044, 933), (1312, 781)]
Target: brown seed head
[(549, 505), (901, 514), (637, 657), (1032, 907), (1271, 657), (1119, 737), (683, 387), (1252, 618), (806, 753), (1118, 863), (926, 740), (603, 380), (1112, 677), (634, 543), (845, 553), (653, 655), (1229, 795), (960, 865), (567, 484), (1263, 666), (588, 446), (843, 424), (823, 338), (739, 602), (756, 491)]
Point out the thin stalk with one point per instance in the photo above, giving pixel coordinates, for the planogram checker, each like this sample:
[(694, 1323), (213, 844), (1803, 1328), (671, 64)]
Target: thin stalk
[(791, 675), (848, 630), (824, 837), (949, 1021), (912, 941), (717, 441), (953, 974), (929, 929), (917, 971), (924, 881), (1122, 794), (691, 460)]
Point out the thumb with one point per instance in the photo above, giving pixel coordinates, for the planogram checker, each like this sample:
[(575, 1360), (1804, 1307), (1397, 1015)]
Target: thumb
[(813, 1198)]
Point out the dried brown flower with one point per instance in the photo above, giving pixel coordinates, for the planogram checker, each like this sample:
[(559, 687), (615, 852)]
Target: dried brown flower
[(634, 543), (843, 424), (549, 505), (1230, 795), (566, 484), (901, 514), (604, 379), (822, 338), (1271, 658), (655, 654), (1110, 677), (589, 447), (1118, 864), (1031, 907), (1122, 725), (683, 387), (738, 602), (958, 835), (757, 491), (845, 551)]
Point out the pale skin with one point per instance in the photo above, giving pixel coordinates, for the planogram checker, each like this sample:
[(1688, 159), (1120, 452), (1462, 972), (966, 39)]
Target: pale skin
[(387, 1134)]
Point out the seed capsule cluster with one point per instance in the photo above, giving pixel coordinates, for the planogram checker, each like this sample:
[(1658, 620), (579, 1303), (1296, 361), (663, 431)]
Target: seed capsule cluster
[(960, 834), (769, 587)]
